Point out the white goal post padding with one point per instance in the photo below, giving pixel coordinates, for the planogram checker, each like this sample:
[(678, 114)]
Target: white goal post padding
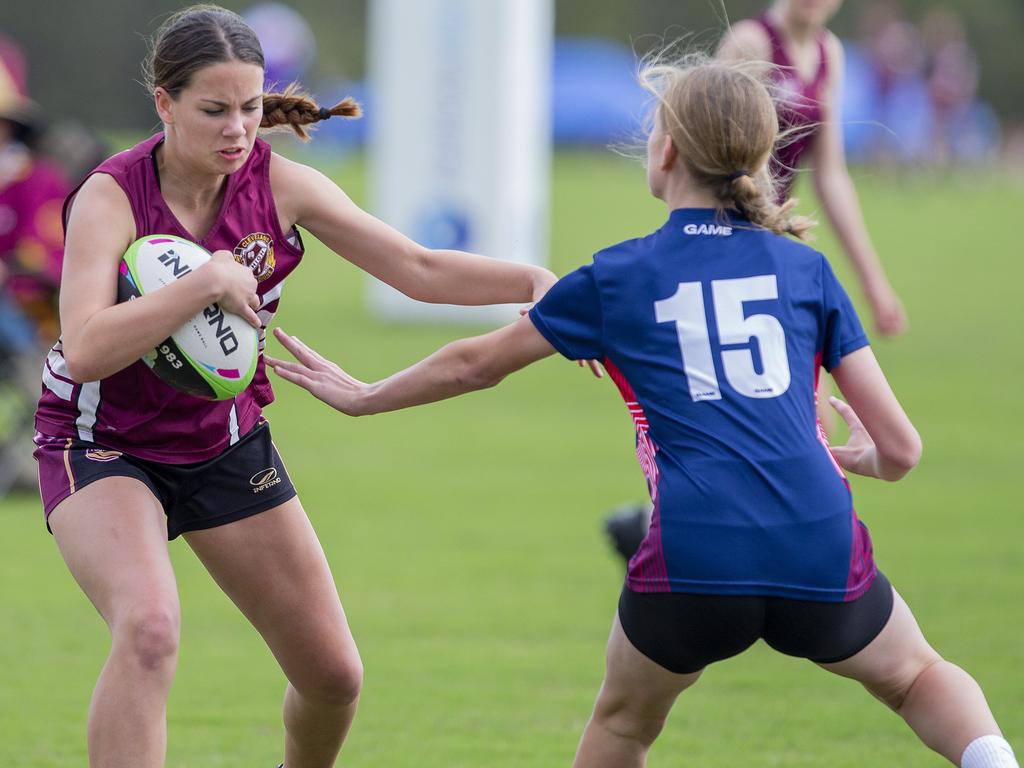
[(460, 135)]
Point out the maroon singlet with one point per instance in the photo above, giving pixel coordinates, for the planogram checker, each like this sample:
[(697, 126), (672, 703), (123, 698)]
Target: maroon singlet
[(798, 103), (133, 411)]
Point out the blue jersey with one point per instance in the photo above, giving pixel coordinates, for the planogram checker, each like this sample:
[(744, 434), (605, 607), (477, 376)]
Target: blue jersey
[(714, 331)]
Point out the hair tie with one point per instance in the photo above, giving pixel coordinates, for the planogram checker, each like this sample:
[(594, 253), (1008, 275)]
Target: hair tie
[(324, 113), (737, 174)]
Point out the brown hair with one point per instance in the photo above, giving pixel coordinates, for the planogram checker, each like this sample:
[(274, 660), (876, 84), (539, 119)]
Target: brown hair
[(202, 35), (723, 124)]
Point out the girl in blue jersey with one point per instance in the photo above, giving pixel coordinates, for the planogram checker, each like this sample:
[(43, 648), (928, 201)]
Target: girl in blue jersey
[(715, 328), (805, 65)]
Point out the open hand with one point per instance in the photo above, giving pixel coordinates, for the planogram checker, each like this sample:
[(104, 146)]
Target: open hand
[(319, 376), (859, 454)]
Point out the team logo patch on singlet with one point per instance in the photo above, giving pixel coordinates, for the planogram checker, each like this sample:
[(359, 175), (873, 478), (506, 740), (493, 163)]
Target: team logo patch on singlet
[(256, 251), (102, 454)]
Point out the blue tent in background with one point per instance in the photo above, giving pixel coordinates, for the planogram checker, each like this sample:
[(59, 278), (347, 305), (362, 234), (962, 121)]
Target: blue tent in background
[(595, 97)]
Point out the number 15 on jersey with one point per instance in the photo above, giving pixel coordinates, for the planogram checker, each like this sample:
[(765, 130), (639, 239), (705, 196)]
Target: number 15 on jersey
[(686, 309)]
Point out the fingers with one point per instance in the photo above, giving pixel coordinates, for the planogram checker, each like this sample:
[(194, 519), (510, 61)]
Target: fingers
[(594, 366), (285, 365), (301, 352), (843, 409), (844, 456), (289, 372), (251, 317)]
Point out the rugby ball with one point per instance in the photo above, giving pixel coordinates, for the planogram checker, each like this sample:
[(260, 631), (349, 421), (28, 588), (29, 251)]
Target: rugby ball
[(213, 355)]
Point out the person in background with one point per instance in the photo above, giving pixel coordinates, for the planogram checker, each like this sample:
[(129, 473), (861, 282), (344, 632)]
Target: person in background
[(32, 190), (807, 73), (964, 130)]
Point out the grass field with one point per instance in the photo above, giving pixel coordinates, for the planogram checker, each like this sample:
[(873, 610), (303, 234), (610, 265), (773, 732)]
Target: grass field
[(465, 536)]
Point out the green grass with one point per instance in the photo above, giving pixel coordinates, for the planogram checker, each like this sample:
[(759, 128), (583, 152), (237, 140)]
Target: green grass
[(465, 536)]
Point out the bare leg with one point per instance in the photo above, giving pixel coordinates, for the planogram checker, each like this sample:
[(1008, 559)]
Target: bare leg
[(272, 566), (113, 537), (939, 701), (632, 705)]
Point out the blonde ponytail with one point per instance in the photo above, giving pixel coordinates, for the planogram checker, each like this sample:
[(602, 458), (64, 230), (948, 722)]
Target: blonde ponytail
[(753, 198), (723, 123)]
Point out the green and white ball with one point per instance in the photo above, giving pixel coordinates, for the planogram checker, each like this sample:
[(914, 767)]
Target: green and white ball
[(213, 355)]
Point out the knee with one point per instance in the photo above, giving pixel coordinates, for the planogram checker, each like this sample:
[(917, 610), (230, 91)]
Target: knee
[(150, 636), (336, 682), (895, 689), (628, 719)]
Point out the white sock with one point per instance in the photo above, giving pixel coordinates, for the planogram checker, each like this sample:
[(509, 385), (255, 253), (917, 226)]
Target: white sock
[(988, 752)]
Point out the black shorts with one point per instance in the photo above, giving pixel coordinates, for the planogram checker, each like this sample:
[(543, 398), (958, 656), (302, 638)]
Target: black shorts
[(248, 478), (685, 632)]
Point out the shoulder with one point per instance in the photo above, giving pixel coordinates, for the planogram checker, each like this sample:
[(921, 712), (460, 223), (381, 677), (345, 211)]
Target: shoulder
[(623, 262), (100, 202), (131, 157), (290, 179), (747, 39), (619, 254), (102, 188), (791, 251), (297, 188), (285, 172)]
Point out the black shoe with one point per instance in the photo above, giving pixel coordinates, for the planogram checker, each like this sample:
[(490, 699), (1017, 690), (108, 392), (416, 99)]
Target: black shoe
[(626, 527)]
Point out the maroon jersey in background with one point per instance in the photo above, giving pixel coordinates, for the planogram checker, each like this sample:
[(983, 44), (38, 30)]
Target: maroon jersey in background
[(798, 104), (31, 239), (134, 411)]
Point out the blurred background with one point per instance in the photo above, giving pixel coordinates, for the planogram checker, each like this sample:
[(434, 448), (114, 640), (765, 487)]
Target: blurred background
[(927, 81), (465, 536)]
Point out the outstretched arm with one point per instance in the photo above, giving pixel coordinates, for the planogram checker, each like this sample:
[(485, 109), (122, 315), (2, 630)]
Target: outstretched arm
[(306, 197), (883, 443), (462, 366), (839, 200)]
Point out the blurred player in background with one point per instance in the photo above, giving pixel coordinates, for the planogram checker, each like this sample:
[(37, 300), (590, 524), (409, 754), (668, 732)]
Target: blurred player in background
[(126, 462), (807, 76), (754, 533), (289, 46), (32, 191)]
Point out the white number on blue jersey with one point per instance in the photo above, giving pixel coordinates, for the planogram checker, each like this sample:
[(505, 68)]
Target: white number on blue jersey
[(686, 309)]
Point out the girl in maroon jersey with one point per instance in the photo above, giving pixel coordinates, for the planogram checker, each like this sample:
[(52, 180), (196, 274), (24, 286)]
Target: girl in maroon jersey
[(126, 462)]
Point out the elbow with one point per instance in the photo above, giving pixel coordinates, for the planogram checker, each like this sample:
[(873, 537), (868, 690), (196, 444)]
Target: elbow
[(472, 378), (903, 457), (473, 371), (79, 368), (416, 282)]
